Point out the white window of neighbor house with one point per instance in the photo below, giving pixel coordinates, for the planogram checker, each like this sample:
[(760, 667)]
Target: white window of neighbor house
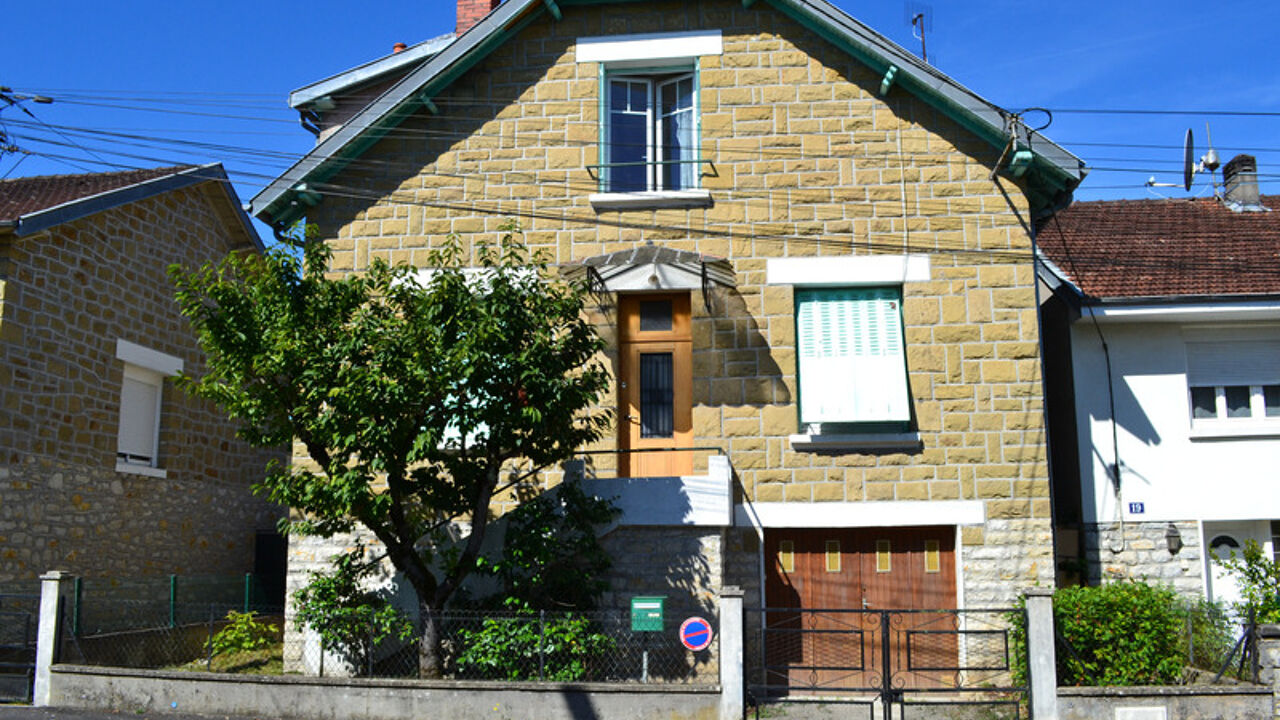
[(850, 355), (1234, 386), (141, 400)]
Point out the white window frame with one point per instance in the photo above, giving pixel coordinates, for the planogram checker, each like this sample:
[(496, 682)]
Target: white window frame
[(851, 271), (149, 367), (657, 59), (1221, 363)]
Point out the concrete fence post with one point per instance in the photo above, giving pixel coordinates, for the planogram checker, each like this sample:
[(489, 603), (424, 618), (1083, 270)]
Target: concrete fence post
[(53, 586), (1041, 658), (1269, 658), (732, 692)]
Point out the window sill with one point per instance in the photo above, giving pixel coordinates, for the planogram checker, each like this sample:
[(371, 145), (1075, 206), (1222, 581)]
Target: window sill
[(1229, 431), (650, 199), (147, 470), (855, 442)]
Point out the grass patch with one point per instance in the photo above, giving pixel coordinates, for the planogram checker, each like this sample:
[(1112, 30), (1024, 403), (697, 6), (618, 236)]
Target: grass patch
[(267, 661)]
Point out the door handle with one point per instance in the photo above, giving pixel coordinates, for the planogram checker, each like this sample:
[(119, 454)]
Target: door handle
[(865, 604)]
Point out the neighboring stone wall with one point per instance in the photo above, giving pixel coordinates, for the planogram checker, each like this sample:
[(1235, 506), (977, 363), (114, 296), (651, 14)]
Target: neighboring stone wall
[(70, 294), (808, 161), (1140, 551)]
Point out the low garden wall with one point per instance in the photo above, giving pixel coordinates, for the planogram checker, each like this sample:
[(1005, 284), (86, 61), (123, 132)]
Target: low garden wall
[(311, 698), (1183, 702)]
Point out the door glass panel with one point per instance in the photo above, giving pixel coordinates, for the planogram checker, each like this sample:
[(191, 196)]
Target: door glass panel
[(1237, 400), (1204, 401), (655, 316), (657, 395), (833, 556), (932, 556), (884, 553), (787, 555)]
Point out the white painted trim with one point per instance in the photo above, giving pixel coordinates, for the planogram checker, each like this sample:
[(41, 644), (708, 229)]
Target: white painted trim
[(847, 270), (649, 46), (134, 469), (650, 199), (146, 358), (1207, 312), (852, 441), (894, 513), (1225, 429)]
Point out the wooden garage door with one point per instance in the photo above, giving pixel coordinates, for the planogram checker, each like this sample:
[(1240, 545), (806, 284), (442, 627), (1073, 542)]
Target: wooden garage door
[(827, 573)]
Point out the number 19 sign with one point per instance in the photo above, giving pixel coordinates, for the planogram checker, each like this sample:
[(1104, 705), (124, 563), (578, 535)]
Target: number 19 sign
[(695, 634)]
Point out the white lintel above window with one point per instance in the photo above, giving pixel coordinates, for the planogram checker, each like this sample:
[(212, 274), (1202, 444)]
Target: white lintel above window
[(145, 357), (649, 48), (847, 270)]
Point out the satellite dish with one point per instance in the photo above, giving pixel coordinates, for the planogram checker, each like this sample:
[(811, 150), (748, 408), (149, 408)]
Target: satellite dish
[(1187, 169)]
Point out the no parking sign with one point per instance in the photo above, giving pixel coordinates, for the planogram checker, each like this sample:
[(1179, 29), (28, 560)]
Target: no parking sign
[(695, 634)]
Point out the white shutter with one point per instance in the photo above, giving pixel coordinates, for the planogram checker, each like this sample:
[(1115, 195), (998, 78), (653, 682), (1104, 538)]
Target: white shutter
[(139, 415), (851, 358), (1233, 363)]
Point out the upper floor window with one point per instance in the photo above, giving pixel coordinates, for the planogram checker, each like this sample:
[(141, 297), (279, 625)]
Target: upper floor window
[(650, 138), (1234, 386)]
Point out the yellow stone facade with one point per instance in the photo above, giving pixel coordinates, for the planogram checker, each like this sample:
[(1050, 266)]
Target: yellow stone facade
[(805, 159)]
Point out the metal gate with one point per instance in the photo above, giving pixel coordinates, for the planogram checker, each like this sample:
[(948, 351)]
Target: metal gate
[(890, 663), (19, 617)]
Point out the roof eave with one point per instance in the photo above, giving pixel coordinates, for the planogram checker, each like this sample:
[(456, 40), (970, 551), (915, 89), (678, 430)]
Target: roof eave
[(72, 210), (1054, 174), (368, 72)]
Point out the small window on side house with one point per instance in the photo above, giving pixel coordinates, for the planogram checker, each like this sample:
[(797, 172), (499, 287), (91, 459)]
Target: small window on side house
[(141, 399)]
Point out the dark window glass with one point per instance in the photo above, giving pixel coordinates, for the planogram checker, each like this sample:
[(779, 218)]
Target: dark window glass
[(1271, 399), (657, 395), (1204, 403), (628, 135), (655, 315), (1237, 401)]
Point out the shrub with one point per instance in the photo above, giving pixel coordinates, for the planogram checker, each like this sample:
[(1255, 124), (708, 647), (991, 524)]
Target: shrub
[(530, 645), (1259, 580), (1127, 633), (244, 633)]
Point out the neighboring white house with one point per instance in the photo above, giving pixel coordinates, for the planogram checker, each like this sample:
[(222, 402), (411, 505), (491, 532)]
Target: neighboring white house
[(1162, 369)]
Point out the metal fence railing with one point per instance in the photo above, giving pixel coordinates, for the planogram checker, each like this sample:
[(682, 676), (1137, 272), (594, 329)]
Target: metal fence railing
[(19, 617), (476, 645)]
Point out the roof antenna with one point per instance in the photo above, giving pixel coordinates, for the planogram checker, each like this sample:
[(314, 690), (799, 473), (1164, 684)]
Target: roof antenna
[(1209, 161), (921, 17)]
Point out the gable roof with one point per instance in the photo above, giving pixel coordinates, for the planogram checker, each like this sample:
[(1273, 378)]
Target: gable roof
[(1121, 250), (368, 72), (1053, 174), (30, 205)]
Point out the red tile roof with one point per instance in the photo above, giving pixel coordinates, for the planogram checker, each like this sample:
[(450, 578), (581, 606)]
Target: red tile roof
[(21, 196), (1165, 248)]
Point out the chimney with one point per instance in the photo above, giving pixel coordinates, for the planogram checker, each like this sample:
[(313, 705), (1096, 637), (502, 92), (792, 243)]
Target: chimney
[(398, 48), (1240, 183), (470, 12)]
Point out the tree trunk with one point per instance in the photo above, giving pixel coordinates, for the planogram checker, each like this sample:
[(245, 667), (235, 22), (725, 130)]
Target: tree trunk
[(430, 661)]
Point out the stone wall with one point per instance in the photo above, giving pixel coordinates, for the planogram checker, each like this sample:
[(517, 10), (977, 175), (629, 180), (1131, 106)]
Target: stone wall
[(1140, 551), (70, 294), (807, 161)]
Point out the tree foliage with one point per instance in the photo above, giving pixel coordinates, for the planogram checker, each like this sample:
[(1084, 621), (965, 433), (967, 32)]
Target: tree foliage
[(416, 396), (1259, 579)]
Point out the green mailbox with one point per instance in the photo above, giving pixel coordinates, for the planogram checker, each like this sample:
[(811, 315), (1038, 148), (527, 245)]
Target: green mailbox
[(646, 613)]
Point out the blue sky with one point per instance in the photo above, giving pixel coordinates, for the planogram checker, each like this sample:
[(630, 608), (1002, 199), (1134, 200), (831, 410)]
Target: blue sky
[(219, 73)]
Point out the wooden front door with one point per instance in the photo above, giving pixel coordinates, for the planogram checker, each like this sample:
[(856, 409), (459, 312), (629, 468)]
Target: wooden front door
[(655, 385), (850, 587)]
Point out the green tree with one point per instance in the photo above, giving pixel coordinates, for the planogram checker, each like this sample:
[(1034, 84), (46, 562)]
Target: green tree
[(1259, 579), (416, 400)]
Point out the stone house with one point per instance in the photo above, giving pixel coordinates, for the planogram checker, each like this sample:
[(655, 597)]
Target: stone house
[(815, 274), (108, 470), (1162, 347)]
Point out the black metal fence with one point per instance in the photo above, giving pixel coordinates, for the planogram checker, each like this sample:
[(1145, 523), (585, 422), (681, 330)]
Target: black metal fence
[(895, 658), (19, 618)]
